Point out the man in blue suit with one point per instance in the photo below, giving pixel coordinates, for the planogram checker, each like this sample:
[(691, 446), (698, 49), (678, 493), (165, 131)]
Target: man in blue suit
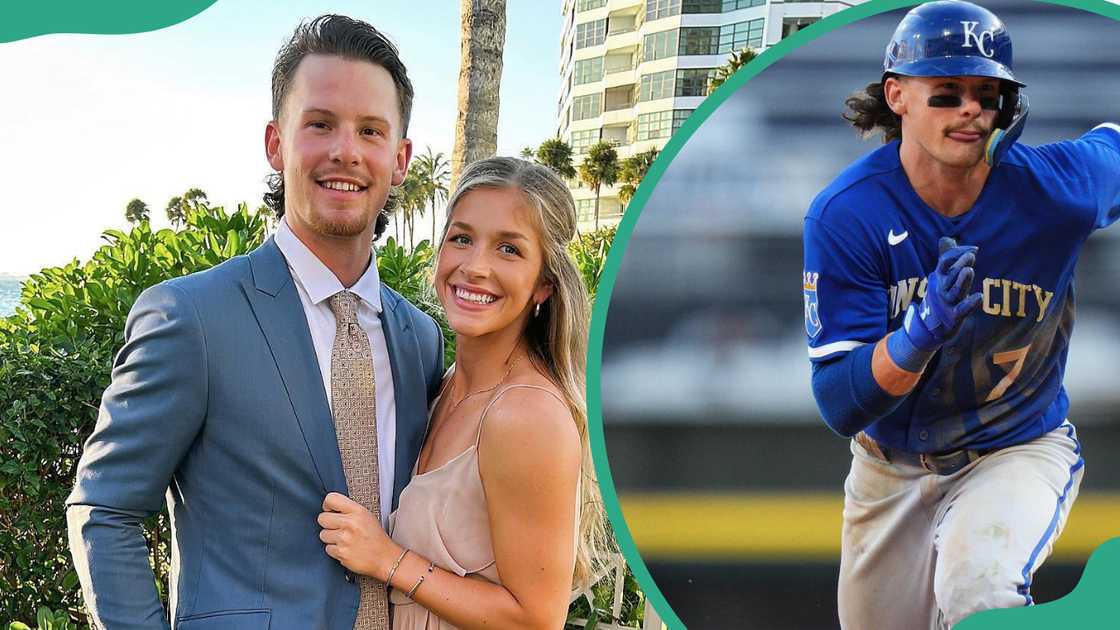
[(248, 392)]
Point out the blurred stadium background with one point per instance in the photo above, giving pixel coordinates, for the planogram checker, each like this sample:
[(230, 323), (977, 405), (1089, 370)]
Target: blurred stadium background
[(729, 480)]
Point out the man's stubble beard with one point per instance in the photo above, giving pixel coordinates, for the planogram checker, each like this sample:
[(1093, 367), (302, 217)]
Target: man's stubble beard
[(330, 228), (341, 229), (964, 162), (972, 160)]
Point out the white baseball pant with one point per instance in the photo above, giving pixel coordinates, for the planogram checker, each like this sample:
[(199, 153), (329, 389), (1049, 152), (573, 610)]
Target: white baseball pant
[(920, 550)]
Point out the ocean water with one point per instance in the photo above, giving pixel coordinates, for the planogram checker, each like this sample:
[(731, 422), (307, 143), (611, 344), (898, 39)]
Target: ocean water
[(9, 296)]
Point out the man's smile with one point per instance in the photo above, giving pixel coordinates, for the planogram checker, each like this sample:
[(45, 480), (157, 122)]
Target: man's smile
[(340, 184)]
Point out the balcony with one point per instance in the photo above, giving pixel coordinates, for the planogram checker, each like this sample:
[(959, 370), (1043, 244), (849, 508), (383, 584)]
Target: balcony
[(619, 24), (792, 25), (618, 80), (616, 62), (623, 39), (618, 98), (624, 66), (617, 136), (619, 116)]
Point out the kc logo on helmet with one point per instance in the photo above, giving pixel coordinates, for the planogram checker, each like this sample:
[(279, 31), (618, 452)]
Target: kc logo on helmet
[(971, 36)]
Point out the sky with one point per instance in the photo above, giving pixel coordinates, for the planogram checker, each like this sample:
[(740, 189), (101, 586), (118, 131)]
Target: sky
[(89, 122)]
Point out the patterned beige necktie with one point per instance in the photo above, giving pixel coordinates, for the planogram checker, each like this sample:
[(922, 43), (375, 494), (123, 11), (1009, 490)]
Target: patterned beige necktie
[(355, 422)]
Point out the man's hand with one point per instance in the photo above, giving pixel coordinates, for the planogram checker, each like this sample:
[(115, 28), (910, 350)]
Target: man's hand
[(355, 538), (947, 301)]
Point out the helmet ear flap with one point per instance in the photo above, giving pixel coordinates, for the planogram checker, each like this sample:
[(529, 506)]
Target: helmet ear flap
[(1009, 104), (1003, 136)]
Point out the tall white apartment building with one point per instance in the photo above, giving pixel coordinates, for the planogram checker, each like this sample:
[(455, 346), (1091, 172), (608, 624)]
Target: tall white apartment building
[(633, 70)]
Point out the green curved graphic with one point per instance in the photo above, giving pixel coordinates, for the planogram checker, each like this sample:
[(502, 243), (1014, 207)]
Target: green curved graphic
[(21, 19), (1083, 609), (1090, 597)]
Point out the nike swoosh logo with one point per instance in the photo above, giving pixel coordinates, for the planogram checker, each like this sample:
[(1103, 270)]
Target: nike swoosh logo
[(895, 239)]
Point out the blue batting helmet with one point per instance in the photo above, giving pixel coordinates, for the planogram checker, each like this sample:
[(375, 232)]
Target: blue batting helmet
[(953, 38), (950, 38)]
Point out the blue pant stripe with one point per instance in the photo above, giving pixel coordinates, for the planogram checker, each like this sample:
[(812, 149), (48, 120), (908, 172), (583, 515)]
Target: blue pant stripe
[(1025, 589)]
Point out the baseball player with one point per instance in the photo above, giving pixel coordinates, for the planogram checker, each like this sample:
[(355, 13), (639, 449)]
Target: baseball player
[(939, 303)]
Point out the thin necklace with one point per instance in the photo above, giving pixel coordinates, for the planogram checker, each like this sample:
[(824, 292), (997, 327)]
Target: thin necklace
[(488, 389)]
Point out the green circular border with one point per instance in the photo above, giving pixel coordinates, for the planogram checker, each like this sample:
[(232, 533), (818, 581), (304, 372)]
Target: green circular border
[(614, 261)]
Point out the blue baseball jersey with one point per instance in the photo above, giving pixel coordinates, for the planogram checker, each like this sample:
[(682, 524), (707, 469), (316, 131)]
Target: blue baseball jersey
[(870, 243)]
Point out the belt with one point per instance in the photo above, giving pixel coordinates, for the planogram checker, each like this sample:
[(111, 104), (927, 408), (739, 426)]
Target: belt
[(946, 463)]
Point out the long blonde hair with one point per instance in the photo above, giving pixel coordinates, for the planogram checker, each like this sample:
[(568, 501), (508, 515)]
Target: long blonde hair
[(558, 336)]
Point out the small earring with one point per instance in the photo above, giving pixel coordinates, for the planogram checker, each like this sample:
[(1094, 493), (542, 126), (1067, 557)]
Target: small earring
[(537, 310)]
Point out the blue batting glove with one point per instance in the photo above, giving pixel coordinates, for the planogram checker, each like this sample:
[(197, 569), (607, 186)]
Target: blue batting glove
[(946, 304)]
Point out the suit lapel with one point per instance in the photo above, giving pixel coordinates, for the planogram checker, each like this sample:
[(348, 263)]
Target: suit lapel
[(409, 387), (275, 302)]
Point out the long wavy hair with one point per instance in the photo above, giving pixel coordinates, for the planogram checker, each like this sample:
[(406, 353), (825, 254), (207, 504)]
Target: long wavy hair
[(557, 337), (869, 113)]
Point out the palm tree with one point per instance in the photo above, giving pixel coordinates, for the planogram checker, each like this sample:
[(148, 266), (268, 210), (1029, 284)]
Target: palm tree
[(433, 172), (136, 211), (735, 60), (632, 172), (557, 155), (412, 202), (178, 207), (482, 40), (599, 168), (176, 211), (527, 153), (392, 208), (194, 197)]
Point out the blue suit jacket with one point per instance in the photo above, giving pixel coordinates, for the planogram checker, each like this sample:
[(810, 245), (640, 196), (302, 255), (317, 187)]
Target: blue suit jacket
[(217, 399)]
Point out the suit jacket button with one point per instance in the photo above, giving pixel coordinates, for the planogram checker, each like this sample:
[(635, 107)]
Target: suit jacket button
[(349, 577)]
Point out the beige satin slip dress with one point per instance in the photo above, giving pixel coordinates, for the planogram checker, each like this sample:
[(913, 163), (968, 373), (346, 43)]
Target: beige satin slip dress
[(442, 516)]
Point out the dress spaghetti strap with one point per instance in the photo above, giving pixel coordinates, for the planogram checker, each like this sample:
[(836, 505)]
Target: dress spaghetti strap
[(501, 392)]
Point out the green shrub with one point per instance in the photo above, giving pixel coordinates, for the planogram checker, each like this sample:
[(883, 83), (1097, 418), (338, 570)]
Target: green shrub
[(47, 619), (410, 274), (66, 305), (56, 353), (590, 252), (49, 399)]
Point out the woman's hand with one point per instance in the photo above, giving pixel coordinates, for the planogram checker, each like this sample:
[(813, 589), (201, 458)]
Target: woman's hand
[(355, 538)]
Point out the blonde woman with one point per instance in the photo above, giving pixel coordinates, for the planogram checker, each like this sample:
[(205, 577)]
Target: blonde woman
[(502, 515)]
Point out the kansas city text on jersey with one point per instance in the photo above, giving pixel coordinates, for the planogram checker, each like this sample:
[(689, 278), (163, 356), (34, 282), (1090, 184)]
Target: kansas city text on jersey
[(1003, 297)]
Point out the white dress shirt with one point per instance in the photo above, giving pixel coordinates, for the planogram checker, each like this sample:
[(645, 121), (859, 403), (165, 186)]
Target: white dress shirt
[(315, 284)]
